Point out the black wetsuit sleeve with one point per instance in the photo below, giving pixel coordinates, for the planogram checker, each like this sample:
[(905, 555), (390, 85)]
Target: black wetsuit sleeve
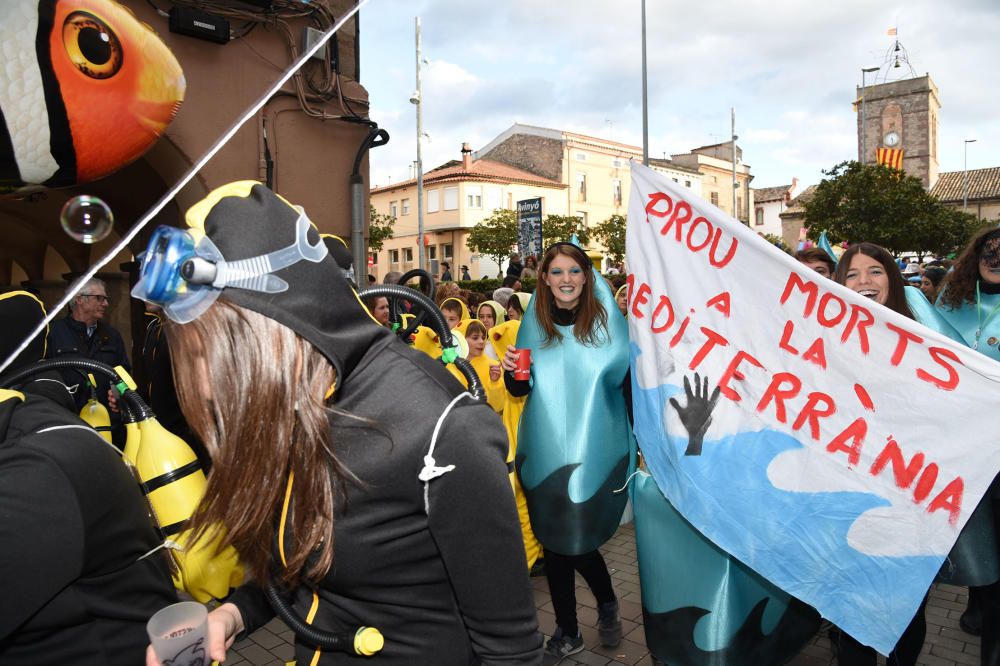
[(42, 532), (253, 606), (516, 387), (473, 520)]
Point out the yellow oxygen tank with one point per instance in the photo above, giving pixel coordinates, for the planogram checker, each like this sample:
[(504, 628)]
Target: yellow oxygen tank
[(94, 413), (174, 483)]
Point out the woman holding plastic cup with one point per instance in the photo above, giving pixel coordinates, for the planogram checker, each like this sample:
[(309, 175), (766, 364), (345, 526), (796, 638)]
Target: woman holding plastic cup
[(363, 489), (575, 444)]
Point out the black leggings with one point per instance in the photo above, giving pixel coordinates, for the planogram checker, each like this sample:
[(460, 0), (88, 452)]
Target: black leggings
[(852, 653), (559, 569)]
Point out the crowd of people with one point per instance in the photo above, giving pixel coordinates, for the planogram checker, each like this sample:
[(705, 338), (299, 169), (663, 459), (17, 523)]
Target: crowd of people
[(353, 473)]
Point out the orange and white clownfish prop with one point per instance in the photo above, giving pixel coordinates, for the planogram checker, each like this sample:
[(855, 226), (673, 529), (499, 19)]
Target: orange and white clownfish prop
[(85, 89)]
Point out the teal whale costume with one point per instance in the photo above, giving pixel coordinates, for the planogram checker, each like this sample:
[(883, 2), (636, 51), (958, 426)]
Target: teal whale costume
[(983, 317), (975, 557), (702, 606), (575, 444)]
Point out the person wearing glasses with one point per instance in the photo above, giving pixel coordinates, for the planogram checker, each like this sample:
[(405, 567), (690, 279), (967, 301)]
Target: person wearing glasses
[(84, 334)]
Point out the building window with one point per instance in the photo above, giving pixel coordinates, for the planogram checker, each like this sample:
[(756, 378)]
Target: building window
[(580, 157), (406, 206), (581, 187), (715, 198), (759, 215), (393, 209), (617, 164), (446, 251), (676, 181), (393, 256), (374, 258), (407, 255), (432, 252), (583, 217), (474, 196), (451, 198), (433, 201), (687, 183), (616, 191)]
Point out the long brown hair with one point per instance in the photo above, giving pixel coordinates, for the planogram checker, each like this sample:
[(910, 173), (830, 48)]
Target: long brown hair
[(897, 297), (264, 419), (960, 283), (591, 317)]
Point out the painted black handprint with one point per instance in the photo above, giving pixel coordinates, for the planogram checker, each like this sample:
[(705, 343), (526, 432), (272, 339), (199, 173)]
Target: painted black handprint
[(697, 414)]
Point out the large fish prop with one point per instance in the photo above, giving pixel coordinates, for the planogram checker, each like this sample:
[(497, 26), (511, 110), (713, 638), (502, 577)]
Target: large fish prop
[(85, 89)]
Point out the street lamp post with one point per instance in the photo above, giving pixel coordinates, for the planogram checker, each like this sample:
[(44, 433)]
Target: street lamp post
[(864, 125), (645, 107), (732, 112), (965, 175), (417, 100)]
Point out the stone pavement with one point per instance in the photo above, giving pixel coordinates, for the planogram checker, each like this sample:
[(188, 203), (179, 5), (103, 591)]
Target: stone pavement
[(946, 644)]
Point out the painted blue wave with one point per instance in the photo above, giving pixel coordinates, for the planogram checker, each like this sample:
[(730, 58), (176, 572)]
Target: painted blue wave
[(726, 494)]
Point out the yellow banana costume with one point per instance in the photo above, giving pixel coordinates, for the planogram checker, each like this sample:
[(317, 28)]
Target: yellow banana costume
[(499, 337)]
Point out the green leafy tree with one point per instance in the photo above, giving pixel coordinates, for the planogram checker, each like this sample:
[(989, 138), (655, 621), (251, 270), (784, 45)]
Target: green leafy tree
[(379, 229), (495, 236), (611, 234), (556, 228), (777, 242), (874, 203)]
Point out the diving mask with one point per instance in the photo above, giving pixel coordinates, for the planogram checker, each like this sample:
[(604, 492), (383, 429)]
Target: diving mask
[(184, 276)]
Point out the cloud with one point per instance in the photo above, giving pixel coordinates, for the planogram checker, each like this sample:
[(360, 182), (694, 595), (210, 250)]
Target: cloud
[(789, 69)]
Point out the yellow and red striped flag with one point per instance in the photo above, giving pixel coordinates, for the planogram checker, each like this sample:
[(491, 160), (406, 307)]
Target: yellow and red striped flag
[(890, 157), (891, 32)]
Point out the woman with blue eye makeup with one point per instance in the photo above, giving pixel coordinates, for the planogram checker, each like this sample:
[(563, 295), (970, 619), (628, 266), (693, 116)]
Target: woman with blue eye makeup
[(574, 441)]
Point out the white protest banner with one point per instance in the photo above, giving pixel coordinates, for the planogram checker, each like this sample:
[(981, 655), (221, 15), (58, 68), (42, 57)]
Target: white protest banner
[(846, 445)]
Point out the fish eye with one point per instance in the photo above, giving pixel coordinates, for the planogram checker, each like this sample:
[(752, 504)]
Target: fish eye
[(92, 46)]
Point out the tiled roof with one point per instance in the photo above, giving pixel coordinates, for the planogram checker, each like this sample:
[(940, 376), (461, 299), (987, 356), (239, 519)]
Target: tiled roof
[(480, 170), (797, 205), (983, 184), (763, 194)]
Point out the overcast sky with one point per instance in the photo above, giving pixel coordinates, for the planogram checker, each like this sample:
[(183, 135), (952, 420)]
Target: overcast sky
[(789, 67)]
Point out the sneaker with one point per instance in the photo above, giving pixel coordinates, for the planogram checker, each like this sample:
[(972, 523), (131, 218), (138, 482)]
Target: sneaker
[(559, 647), (609, 624)]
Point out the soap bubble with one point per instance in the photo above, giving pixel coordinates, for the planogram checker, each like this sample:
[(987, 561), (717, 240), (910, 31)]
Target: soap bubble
[(86, 219)]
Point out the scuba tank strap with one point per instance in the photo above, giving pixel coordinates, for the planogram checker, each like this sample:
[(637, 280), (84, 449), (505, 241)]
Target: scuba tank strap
[(431, 470)]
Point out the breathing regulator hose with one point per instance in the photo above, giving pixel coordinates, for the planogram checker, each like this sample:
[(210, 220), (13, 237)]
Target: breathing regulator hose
[(427, 287), (395, 292), (364, 641)]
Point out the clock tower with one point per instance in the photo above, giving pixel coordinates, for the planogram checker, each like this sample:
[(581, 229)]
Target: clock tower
[(901, 115)]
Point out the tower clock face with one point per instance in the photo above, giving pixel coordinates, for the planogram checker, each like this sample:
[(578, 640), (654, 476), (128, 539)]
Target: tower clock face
[(891, 139)]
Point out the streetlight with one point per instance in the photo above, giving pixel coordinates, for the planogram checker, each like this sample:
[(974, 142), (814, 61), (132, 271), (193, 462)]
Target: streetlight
[(416, 99), (965, 174), (645, 107), (864, 128)]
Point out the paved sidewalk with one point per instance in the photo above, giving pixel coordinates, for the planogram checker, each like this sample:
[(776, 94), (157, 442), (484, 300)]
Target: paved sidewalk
[(946, 644)]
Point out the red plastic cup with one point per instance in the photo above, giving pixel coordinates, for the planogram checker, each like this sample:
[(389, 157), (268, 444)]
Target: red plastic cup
[(523, 368)]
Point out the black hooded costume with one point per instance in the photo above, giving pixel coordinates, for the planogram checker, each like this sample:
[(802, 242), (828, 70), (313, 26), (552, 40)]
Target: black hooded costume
[(73, 525), (438, 566)]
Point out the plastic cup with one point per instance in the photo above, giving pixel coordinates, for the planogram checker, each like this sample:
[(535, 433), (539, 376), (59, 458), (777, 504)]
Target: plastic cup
[(179, 634), (523, 368)]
